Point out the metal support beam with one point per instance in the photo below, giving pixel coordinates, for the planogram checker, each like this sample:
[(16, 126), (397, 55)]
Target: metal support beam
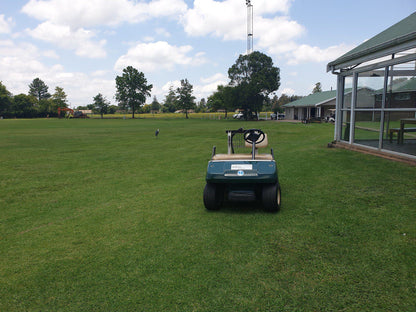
[(249, 26)]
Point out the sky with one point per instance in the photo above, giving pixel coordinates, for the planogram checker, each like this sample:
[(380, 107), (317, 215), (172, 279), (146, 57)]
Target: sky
[(81, 46)]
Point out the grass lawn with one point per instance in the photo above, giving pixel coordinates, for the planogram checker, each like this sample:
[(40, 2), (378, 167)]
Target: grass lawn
[(99, 215)]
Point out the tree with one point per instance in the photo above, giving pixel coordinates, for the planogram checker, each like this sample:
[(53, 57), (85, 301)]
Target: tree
[(254, 77), (267, 104), (132, 89), (169, 105), (112, 109), (5, 101), (277, 103), (317, 88), (201, 106), (24, 106), (50, 106), (101, 104), (46, 107), (39, 89), (59, 97), (155, 106), (184, 99), (223, 98)]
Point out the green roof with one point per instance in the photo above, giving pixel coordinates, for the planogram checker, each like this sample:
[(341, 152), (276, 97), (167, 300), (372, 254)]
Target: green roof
[(399, 37), (408, 85), (405, 86), (313, 99)]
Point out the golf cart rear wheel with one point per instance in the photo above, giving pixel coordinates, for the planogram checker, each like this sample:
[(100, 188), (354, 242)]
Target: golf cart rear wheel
[(271, 197), (213, 196)]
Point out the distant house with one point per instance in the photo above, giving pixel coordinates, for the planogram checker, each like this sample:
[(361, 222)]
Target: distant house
[(322, 104), (316, 105)]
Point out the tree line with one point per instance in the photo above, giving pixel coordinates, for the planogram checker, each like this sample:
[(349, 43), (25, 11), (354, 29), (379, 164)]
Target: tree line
[(37, 103), (253, 79), (132, 91)]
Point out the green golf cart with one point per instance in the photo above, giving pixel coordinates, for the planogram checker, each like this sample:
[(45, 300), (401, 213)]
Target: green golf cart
[(243, 177)]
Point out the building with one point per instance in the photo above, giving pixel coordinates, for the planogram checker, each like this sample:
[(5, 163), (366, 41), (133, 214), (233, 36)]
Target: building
[(314, 106), (381, 120)]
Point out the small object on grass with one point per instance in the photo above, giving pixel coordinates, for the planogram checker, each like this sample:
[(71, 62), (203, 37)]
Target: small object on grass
[(157, 132)]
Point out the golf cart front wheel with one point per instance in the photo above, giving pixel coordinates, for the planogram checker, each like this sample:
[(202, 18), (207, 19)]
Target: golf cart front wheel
[(271, 197), (213, 196)]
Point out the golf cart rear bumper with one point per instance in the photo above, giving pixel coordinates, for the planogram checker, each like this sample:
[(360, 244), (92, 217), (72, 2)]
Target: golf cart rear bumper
[(242, 171)]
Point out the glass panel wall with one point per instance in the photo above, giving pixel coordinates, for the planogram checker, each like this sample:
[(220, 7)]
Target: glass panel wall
[(400, 115), (384, 110), (370, 86)]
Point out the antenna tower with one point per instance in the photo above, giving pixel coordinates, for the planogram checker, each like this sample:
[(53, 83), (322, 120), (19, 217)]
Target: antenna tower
[(249, 26)]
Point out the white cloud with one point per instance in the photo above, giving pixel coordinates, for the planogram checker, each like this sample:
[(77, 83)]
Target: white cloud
[(209, 85), (175, 84), (203, 91), (222, 19), (158, 55), (219, 77), (81, 13), (5, 24), (227, 19), (20, 63), (277, 35), (79, 40), (287, 91), (17, 63), (305, 53), (67, 23), (269, 7)]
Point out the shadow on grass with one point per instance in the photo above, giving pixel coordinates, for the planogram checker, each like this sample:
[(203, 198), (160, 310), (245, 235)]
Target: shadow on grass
[(250, 207)]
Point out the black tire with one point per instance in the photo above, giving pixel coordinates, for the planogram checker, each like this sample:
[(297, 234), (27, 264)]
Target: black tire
[(271, 197), (213, 196)]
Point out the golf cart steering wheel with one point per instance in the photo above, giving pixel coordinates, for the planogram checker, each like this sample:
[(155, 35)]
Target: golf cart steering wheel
[(254, 135)]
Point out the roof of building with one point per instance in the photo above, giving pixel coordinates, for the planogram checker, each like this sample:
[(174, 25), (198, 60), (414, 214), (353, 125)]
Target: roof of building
[(399, 37), (406, 85), (313, 99)]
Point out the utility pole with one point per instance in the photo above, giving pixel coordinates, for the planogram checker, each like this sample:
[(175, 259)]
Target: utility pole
[(249, 26)]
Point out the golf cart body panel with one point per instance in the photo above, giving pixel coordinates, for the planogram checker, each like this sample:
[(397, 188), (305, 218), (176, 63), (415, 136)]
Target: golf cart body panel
[(241, 171)]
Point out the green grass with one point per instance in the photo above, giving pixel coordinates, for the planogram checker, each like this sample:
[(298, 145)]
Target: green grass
[(99, 215)]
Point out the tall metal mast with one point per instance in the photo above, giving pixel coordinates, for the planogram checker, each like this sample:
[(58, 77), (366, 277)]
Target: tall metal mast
[(249, 27)]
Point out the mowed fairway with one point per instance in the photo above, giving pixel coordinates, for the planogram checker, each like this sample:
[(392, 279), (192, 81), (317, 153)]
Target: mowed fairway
[(100, 215)]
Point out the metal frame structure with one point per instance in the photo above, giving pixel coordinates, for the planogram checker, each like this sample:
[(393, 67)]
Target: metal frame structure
[(387, 71), (378, 60), (249, 27)]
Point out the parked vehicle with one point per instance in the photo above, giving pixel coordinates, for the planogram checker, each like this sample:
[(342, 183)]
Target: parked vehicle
[(277, 116), (238, 116), (243, 176)]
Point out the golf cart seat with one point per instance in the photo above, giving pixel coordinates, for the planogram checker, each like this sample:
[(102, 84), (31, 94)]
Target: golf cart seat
[(262, 144), (241, 157)]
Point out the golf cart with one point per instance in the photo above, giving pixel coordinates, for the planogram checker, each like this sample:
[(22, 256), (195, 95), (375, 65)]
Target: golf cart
[(243, 176)]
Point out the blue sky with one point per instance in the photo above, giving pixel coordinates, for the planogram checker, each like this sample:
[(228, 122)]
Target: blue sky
[(82, 45)]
